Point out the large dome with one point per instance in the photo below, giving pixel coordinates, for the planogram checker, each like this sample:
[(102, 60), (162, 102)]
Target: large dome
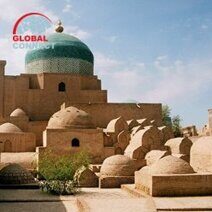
[(68, 55), (70, 118)]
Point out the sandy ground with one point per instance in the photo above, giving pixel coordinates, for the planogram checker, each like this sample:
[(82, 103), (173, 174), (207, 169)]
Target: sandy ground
[(97, 200)]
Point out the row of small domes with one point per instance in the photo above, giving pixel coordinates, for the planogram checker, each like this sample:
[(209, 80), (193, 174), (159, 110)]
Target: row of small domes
[(121, 165), (117, 165), (67, 118), (12, 128)]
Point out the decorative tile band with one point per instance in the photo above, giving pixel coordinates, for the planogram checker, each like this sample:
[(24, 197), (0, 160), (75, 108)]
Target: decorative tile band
[(60, 65)]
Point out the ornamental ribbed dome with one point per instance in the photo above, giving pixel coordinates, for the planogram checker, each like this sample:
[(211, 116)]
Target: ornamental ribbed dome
[(15, 174), (62, 53)]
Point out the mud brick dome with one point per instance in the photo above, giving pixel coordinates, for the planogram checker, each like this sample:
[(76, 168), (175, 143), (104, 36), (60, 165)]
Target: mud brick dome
[(118, 165), (9, 128), (201, 154), (62, 53), (70, 118), (170, 165), (18, 113)]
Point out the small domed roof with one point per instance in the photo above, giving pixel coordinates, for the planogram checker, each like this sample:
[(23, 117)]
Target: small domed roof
[(171, 165), (69, 118), (118, 165), (18, 112), (9, 128), (15, 174)]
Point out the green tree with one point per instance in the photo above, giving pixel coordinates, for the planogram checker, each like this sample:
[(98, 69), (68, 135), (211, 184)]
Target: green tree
[(174, 122), (176, 126), (61, 167), (166, 115), (59, 171)]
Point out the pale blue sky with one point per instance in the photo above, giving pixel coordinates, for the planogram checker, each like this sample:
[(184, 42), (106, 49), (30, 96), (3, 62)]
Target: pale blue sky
[(145, 50)]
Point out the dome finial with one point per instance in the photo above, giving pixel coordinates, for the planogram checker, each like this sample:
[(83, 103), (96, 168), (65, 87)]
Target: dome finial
[(59, 28)]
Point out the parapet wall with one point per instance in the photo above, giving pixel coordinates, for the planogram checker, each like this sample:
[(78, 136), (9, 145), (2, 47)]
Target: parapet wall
[(103, 113)]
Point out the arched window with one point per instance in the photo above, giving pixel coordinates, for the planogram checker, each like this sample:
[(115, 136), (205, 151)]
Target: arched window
[(62, 87), (75, 142)]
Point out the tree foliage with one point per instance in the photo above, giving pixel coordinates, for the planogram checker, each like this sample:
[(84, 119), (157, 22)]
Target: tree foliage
[(61, 167), (176, 126), (166, 115), (174, 122), (59, 171)]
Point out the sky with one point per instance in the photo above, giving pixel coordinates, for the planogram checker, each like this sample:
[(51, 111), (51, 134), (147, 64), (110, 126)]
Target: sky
[(148, 51)]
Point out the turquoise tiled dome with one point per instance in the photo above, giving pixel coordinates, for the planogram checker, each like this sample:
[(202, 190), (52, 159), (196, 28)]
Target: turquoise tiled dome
[(69, 55)]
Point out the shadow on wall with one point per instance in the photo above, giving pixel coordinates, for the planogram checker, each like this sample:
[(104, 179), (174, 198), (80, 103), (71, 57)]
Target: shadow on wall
[(5, 146)]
